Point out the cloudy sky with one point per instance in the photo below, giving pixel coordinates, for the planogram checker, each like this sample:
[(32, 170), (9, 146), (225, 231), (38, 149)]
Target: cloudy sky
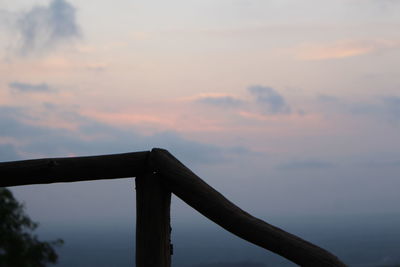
[(291, 104)]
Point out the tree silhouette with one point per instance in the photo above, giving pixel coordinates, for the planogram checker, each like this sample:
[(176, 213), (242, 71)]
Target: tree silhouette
[(19, 246)]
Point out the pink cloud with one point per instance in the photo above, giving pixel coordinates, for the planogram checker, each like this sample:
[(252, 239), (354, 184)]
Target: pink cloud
[(175, 118), (343, 49), (125, 118)]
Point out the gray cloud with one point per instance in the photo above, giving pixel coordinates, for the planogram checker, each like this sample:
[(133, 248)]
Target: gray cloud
[(382, 163), (305, 165), (6, 19), (386, 4), (10, 126), (265, 98), (8, 153), (29, 87), (270, 100), (44, 27), (386, 107), (224, 101), (93, 137), (392, 105), (327, 98)]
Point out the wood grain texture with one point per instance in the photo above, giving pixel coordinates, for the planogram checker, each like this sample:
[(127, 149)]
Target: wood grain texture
[(56, 170), (153, 227), (206, 200)]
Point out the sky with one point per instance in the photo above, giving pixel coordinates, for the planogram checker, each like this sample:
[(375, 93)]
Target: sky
[(286, 107)]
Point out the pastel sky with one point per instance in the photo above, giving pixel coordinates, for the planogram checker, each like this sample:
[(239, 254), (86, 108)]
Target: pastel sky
[(293, 104)]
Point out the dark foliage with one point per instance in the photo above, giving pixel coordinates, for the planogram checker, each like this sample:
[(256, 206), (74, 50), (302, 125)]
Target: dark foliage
[(19, 246)]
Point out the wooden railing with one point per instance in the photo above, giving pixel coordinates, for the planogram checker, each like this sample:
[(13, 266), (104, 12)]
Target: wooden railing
[(158, 174)]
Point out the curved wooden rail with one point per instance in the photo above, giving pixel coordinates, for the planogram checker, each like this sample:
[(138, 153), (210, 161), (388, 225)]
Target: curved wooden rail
[(206, 200), (181, 181)]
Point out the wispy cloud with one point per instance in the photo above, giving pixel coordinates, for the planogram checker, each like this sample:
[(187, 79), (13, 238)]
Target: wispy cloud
[(219, 100), (44, 27), (265, 99), (392, 105), (8, 152), (305, 165), (391, 163), (6, 18), (97, 67), (386, 4), (269, 99), (344, 49), (30, 87), (382, 107), (90, 136), (327, 98)]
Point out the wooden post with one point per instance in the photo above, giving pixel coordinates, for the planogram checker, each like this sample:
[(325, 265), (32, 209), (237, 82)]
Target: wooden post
[(153, 200)]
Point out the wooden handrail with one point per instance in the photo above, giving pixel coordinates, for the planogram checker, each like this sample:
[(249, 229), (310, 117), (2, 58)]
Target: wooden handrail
[(73, 169), (181, 181), (206, 200)]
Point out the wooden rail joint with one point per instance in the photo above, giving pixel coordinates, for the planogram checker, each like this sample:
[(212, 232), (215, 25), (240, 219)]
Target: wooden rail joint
[(159, 173)]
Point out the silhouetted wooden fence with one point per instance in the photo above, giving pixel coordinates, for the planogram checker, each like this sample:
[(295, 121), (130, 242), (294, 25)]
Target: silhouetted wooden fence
[(158, 174)]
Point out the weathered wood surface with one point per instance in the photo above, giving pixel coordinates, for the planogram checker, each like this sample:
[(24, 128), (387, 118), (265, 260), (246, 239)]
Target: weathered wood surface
[(205, 199), (56, 170), (153, 201)]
